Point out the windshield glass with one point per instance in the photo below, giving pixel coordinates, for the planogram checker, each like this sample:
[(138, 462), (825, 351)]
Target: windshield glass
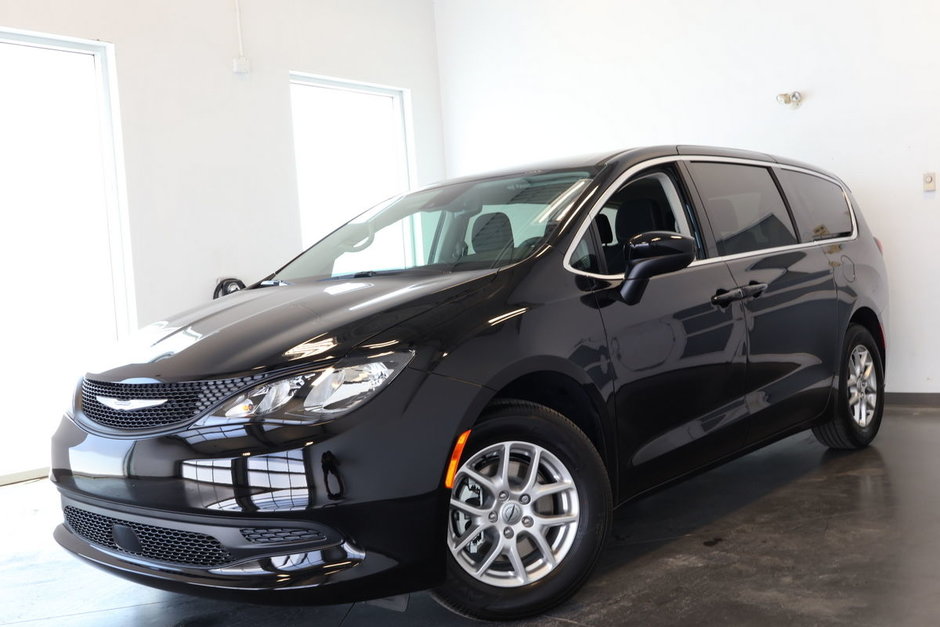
[(463, 226)]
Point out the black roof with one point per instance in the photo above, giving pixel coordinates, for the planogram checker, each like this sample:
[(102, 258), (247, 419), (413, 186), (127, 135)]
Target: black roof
[(624, 159)]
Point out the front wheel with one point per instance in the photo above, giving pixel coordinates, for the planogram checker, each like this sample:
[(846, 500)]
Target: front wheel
[(858, 407), (529, 513)]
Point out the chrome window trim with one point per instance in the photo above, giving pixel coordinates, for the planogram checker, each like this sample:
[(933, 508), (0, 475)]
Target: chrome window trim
[(623, 178)]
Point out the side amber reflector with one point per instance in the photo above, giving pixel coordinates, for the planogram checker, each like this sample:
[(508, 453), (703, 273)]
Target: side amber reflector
[(455, 459)]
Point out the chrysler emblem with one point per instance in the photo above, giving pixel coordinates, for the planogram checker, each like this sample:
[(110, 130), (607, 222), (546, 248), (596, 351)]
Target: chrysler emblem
[(131, 404), (511, 513)]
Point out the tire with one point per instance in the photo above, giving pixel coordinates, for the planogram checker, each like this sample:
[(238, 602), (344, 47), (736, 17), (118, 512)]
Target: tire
[(503, 562), (857, 410)]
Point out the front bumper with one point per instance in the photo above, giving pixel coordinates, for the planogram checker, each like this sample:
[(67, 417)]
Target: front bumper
[(246, 559), (346, 511)]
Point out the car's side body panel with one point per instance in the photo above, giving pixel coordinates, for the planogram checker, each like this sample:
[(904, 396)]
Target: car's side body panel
[(791, 329), (679, 362)]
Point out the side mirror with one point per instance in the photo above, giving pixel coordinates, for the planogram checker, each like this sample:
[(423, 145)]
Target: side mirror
[(650, 254)]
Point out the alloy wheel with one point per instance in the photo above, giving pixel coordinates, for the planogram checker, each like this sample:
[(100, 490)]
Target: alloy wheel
[(514, 513), (862, 386)]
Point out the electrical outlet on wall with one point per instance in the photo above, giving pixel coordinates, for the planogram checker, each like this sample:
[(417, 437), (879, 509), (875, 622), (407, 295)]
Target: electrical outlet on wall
[(930, 181)]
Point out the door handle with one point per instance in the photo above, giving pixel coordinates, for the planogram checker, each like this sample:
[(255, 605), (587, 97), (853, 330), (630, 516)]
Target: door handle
[(754, 289), (723, 298)]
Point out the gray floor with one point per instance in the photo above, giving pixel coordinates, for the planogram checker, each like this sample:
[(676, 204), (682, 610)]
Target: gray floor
[(790, 535)]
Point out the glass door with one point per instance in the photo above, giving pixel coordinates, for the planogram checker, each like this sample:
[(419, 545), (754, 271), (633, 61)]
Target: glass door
[(62, 245)]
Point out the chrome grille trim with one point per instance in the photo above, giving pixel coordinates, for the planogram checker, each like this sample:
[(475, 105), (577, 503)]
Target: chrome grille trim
[(184, 401)]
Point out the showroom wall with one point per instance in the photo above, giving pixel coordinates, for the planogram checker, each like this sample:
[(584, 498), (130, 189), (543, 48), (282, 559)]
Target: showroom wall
[(533, 79), (209, 158)]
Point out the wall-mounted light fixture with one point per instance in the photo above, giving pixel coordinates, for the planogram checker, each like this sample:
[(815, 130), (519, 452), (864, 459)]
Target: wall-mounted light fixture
[(794, 99), (240, 64)]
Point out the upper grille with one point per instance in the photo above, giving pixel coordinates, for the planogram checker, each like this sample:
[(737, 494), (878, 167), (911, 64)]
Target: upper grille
[(185, 400), (268, 535), (156, 543)]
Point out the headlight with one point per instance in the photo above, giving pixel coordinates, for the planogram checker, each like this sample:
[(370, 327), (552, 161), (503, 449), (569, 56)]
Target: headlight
[(311, 397)]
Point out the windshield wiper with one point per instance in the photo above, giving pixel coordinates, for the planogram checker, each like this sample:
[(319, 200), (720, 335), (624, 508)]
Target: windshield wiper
[(272, 283), (364, 274)]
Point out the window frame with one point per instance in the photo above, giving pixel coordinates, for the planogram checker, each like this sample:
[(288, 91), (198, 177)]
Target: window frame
[(697, 210), (112, 154), (401, 96), (404, 114)]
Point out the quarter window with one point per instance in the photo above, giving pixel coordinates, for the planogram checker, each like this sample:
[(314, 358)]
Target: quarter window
[(744, 207), (819, 206), (585, 255)]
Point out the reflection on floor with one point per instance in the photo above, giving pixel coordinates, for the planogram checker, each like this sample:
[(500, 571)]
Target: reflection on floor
[(791, 534)]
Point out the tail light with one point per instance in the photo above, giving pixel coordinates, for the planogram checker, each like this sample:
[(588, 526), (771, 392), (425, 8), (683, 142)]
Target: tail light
[(880, 246)]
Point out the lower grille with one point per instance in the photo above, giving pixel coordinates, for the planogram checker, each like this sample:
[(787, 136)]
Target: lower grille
[(180, 402), (273, 535), (161, 544)]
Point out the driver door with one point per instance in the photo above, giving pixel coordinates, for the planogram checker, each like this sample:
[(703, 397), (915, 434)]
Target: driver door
[(679, 360)]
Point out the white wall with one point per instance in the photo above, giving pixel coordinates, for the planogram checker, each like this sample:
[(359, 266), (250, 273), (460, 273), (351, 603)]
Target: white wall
[(209, 155), (531, 79)]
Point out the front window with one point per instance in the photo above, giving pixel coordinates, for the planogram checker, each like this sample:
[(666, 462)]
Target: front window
[(650, 201), (462, 226)]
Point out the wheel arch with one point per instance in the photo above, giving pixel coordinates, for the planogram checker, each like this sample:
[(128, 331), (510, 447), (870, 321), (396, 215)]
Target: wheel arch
[(579, 401), (867, 318)]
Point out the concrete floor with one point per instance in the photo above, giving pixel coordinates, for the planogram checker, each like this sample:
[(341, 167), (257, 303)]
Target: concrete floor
[(790, 535)]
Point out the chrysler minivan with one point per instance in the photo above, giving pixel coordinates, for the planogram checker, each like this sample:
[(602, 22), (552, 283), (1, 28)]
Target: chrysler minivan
[(453, 390)]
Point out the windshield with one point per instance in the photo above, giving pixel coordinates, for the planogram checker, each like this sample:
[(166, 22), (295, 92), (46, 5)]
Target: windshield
[(463, 226)]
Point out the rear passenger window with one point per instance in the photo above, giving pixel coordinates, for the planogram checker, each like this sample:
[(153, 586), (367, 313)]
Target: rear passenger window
[(744, 207), (819, 206)]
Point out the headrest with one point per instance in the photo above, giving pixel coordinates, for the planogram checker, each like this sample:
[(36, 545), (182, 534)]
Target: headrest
[(603, 228), (492, 232), (636, 215)]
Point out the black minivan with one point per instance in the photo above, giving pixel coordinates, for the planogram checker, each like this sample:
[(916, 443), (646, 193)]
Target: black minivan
[(454, 389)]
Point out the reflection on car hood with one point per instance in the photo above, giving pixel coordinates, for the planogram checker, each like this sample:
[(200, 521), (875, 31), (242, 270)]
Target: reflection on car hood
[(282, 326)]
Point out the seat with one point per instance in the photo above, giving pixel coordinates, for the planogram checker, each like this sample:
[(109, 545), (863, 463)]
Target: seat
[(492, 232), (602, 222), (738, 240), (634, 216), (638, 215)]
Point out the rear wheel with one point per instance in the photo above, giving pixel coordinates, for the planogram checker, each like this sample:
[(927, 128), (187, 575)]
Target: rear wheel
[(857, 411), (529, 513)]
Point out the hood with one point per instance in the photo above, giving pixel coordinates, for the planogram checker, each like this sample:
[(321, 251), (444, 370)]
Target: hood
[(261, 329)]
